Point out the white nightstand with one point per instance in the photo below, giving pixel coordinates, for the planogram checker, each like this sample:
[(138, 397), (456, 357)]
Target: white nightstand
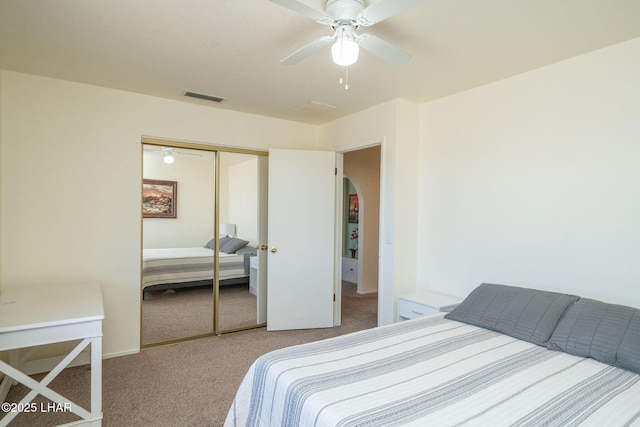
[(253, 275), (421, 304)]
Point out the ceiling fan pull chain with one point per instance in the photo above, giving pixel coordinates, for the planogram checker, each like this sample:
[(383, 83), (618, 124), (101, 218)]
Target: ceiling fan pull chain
[(346, 84), (344, 81)]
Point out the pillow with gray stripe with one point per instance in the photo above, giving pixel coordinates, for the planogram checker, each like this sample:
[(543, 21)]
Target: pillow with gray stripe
[(608, 333), (528, 314)]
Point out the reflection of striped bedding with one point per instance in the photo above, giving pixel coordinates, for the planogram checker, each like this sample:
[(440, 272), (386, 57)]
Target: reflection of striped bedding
[(432, 372), (177, 265)]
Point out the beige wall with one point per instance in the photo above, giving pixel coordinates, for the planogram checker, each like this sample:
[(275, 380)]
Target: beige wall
[(362, 167), (70, 182), (535, 181), (243, 198)]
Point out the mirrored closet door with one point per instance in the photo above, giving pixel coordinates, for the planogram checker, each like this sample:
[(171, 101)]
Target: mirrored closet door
[(196, 282), (177, 240), (241, 298)]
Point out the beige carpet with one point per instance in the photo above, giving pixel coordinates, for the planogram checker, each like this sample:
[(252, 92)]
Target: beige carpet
[(187, 384)]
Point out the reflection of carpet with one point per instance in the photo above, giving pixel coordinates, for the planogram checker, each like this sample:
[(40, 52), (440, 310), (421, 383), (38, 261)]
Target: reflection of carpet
[(169, 314), (237, 307)]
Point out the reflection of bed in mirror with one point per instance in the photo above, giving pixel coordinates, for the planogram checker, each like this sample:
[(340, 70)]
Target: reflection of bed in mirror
[(174, 268)]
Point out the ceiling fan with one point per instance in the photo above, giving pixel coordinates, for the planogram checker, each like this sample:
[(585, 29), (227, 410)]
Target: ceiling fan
[(345, 17)]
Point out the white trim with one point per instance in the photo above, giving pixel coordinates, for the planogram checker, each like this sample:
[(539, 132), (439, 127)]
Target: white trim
[(121, 353), (359, 145), (339, 206)]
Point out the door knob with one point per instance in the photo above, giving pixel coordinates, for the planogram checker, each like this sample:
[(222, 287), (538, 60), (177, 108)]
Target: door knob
[(263, 247), (274, 250)]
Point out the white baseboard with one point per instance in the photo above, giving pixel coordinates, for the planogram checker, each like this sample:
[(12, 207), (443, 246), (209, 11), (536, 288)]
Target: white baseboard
[(121, 353)]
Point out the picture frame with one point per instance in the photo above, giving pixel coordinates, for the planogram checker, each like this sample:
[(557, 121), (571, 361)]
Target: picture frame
[(353, 209), (159, 198)]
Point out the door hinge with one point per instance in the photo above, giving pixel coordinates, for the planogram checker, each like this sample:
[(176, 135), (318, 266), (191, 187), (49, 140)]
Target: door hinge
[(336, 173), (334, 297)]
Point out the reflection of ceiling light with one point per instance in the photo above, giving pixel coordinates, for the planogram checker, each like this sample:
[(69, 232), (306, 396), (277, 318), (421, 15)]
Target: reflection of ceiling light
[(168, 155), (345, 50)]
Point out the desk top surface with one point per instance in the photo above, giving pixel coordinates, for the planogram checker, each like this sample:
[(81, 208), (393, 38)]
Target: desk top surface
[(31, 307)]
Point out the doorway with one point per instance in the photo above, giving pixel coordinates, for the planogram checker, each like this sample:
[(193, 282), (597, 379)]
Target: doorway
[(361, 219)]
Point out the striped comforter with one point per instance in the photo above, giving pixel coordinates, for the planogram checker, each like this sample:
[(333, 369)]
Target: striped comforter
[(432, 372), (177, 265)]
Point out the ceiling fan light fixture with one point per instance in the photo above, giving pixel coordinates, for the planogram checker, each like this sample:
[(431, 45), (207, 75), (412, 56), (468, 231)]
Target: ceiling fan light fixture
[(345, 52)]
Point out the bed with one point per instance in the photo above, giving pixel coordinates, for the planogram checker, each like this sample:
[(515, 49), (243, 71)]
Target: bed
[(505, 356), (173, 268)]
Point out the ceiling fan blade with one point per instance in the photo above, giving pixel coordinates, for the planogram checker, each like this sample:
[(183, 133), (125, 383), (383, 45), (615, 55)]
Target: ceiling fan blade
[(305, 10), (383, 49), (307, 50), (384, 9)]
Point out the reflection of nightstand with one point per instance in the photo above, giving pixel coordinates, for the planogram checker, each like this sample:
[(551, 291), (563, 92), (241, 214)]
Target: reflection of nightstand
[(421, 304), (253, 275)]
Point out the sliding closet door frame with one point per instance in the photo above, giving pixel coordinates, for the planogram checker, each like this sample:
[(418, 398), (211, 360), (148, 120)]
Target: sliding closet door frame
[(216, 149), (262, 227)]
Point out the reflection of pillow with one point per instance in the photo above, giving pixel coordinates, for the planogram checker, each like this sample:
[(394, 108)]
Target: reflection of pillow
[(221, 241), (527, 314), (608, 333), (232, 245)]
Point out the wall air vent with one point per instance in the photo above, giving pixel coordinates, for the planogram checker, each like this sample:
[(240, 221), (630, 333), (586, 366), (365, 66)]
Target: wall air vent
[(204, 96)]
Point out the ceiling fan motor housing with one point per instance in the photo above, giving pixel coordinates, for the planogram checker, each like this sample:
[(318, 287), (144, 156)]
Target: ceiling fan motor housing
[(344, 10)]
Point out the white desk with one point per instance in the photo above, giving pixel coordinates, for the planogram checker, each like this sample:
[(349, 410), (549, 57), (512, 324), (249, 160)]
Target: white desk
[(38, 315)]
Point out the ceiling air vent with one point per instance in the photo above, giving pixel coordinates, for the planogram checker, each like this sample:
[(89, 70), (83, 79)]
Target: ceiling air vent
[(203, 96), (315, 107)]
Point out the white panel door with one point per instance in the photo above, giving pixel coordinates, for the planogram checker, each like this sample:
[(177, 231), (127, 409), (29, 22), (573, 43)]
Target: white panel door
[(301, 239)]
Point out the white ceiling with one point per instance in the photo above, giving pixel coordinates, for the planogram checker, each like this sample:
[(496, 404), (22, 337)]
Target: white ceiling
[(232, 48)]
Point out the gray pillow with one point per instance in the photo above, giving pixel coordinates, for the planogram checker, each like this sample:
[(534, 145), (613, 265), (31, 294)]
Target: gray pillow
[(608, 333), (221, 242), (232, 245), (527, 314)]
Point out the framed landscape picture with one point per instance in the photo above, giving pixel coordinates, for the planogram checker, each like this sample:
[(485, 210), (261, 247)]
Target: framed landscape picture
[(353, 208), (159, 199)]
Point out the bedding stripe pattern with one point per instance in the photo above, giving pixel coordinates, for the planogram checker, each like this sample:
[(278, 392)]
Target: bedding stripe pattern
[(432, 371), (177, 265)]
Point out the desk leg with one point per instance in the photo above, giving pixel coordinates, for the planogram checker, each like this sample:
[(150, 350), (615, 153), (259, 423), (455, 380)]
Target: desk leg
[(96, 381), (5, 385), (41, 387)]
